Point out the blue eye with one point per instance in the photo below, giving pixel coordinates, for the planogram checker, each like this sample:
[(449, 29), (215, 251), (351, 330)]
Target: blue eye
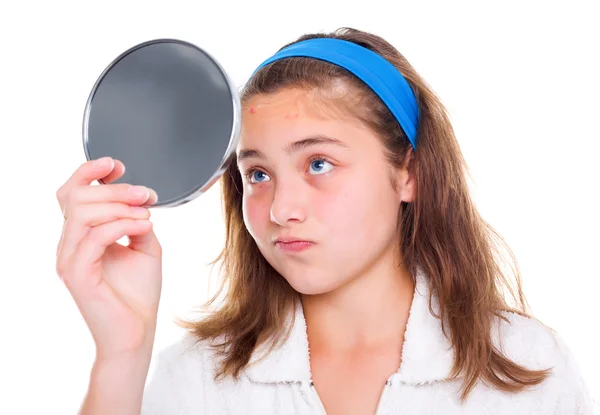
[(320, 166), (258, 176)]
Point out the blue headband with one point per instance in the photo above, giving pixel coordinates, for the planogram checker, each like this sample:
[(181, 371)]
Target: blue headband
[(373, 69)]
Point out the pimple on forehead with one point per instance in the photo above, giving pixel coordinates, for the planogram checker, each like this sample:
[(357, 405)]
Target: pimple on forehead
[(252, 110)]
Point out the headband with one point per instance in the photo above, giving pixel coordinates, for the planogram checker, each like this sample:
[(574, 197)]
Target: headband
[(373, 69)]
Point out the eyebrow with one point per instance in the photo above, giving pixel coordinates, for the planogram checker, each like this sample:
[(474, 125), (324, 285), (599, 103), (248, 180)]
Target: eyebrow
[(308, 142)]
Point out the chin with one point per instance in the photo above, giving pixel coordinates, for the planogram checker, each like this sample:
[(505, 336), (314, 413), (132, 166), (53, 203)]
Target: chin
[(313, 284)]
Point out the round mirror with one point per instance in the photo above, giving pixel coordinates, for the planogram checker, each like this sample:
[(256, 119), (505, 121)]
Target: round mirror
[(170, 113)]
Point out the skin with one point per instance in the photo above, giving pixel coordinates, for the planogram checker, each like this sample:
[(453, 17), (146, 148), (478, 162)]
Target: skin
[(338, 197)]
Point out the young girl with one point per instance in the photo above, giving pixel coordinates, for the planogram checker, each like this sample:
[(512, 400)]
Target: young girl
[(358, 276)]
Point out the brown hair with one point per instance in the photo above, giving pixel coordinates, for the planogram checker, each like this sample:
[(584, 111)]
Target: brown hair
[(441, 232)]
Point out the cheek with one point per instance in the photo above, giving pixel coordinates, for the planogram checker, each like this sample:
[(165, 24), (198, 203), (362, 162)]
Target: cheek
[(256, 210), (359, 209)]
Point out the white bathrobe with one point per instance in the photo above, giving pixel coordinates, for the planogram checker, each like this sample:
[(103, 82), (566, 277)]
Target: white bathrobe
[(181, 381)]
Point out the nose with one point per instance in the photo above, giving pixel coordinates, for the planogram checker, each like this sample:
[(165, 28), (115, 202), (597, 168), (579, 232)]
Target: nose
[(289, 203)]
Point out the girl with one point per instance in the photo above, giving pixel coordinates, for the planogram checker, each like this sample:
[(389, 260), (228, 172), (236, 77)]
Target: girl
[(359, 277)]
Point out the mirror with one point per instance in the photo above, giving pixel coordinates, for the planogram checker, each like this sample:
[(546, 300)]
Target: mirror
[(167, 110)]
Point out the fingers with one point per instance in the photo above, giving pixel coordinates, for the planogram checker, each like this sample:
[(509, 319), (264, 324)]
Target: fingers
[(94, 214), (121, 193), (107, 170), (146, 243), (92, 247), (88, 216), (84, 176), (78, 218), (86, 207), (89, 252), (118, 171)]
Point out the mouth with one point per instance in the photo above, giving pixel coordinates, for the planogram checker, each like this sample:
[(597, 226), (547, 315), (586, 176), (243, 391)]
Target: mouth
[(292, 244)]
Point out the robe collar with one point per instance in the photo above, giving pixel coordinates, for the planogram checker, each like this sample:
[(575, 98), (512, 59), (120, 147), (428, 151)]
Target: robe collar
[(427, 355)]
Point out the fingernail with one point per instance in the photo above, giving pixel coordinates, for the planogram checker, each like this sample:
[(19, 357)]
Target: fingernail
[(139, 191), (152, 199)]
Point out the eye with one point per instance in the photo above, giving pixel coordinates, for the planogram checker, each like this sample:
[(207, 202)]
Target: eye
[(320, 166), (257, 176)]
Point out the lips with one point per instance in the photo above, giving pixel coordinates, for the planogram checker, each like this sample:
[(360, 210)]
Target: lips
[(289, 239), (292, 244)]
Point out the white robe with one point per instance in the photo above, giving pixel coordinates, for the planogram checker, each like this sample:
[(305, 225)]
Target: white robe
[(182, 379)]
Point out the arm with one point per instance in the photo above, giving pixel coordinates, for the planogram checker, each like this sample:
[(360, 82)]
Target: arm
[(117, 385)]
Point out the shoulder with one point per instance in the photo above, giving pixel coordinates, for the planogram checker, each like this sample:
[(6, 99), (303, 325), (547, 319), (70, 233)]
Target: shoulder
[(177, 373), (529, 343), (185, 351)]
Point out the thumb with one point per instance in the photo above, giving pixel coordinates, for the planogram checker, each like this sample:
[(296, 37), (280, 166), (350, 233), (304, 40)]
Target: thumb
[(146, 243)]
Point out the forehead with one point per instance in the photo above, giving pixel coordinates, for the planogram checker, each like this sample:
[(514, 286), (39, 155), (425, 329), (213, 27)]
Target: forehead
[(288, 102), (283, 123), (293, 111)]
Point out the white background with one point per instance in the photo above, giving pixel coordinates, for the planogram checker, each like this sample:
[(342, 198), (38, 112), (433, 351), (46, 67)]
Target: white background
[(519, 78)]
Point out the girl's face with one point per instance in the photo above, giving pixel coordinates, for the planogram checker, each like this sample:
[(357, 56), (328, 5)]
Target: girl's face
[(318, 196)]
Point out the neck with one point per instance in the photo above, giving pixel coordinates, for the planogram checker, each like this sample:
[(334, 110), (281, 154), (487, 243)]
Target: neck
[(369, 312)]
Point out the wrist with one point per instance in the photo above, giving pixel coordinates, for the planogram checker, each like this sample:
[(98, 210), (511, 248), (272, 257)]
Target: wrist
[(117, 384), (139, 349), (124, 357)]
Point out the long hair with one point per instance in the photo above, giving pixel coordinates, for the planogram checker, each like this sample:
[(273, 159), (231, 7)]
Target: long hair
[(441, 231)]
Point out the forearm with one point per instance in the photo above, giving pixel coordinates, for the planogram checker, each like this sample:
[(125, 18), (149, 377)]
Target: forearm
[(117, 385)]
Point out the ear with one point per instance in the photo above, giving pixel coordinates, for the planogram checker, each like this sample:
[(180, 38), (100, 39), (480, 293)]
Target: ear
[(405, 179)]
